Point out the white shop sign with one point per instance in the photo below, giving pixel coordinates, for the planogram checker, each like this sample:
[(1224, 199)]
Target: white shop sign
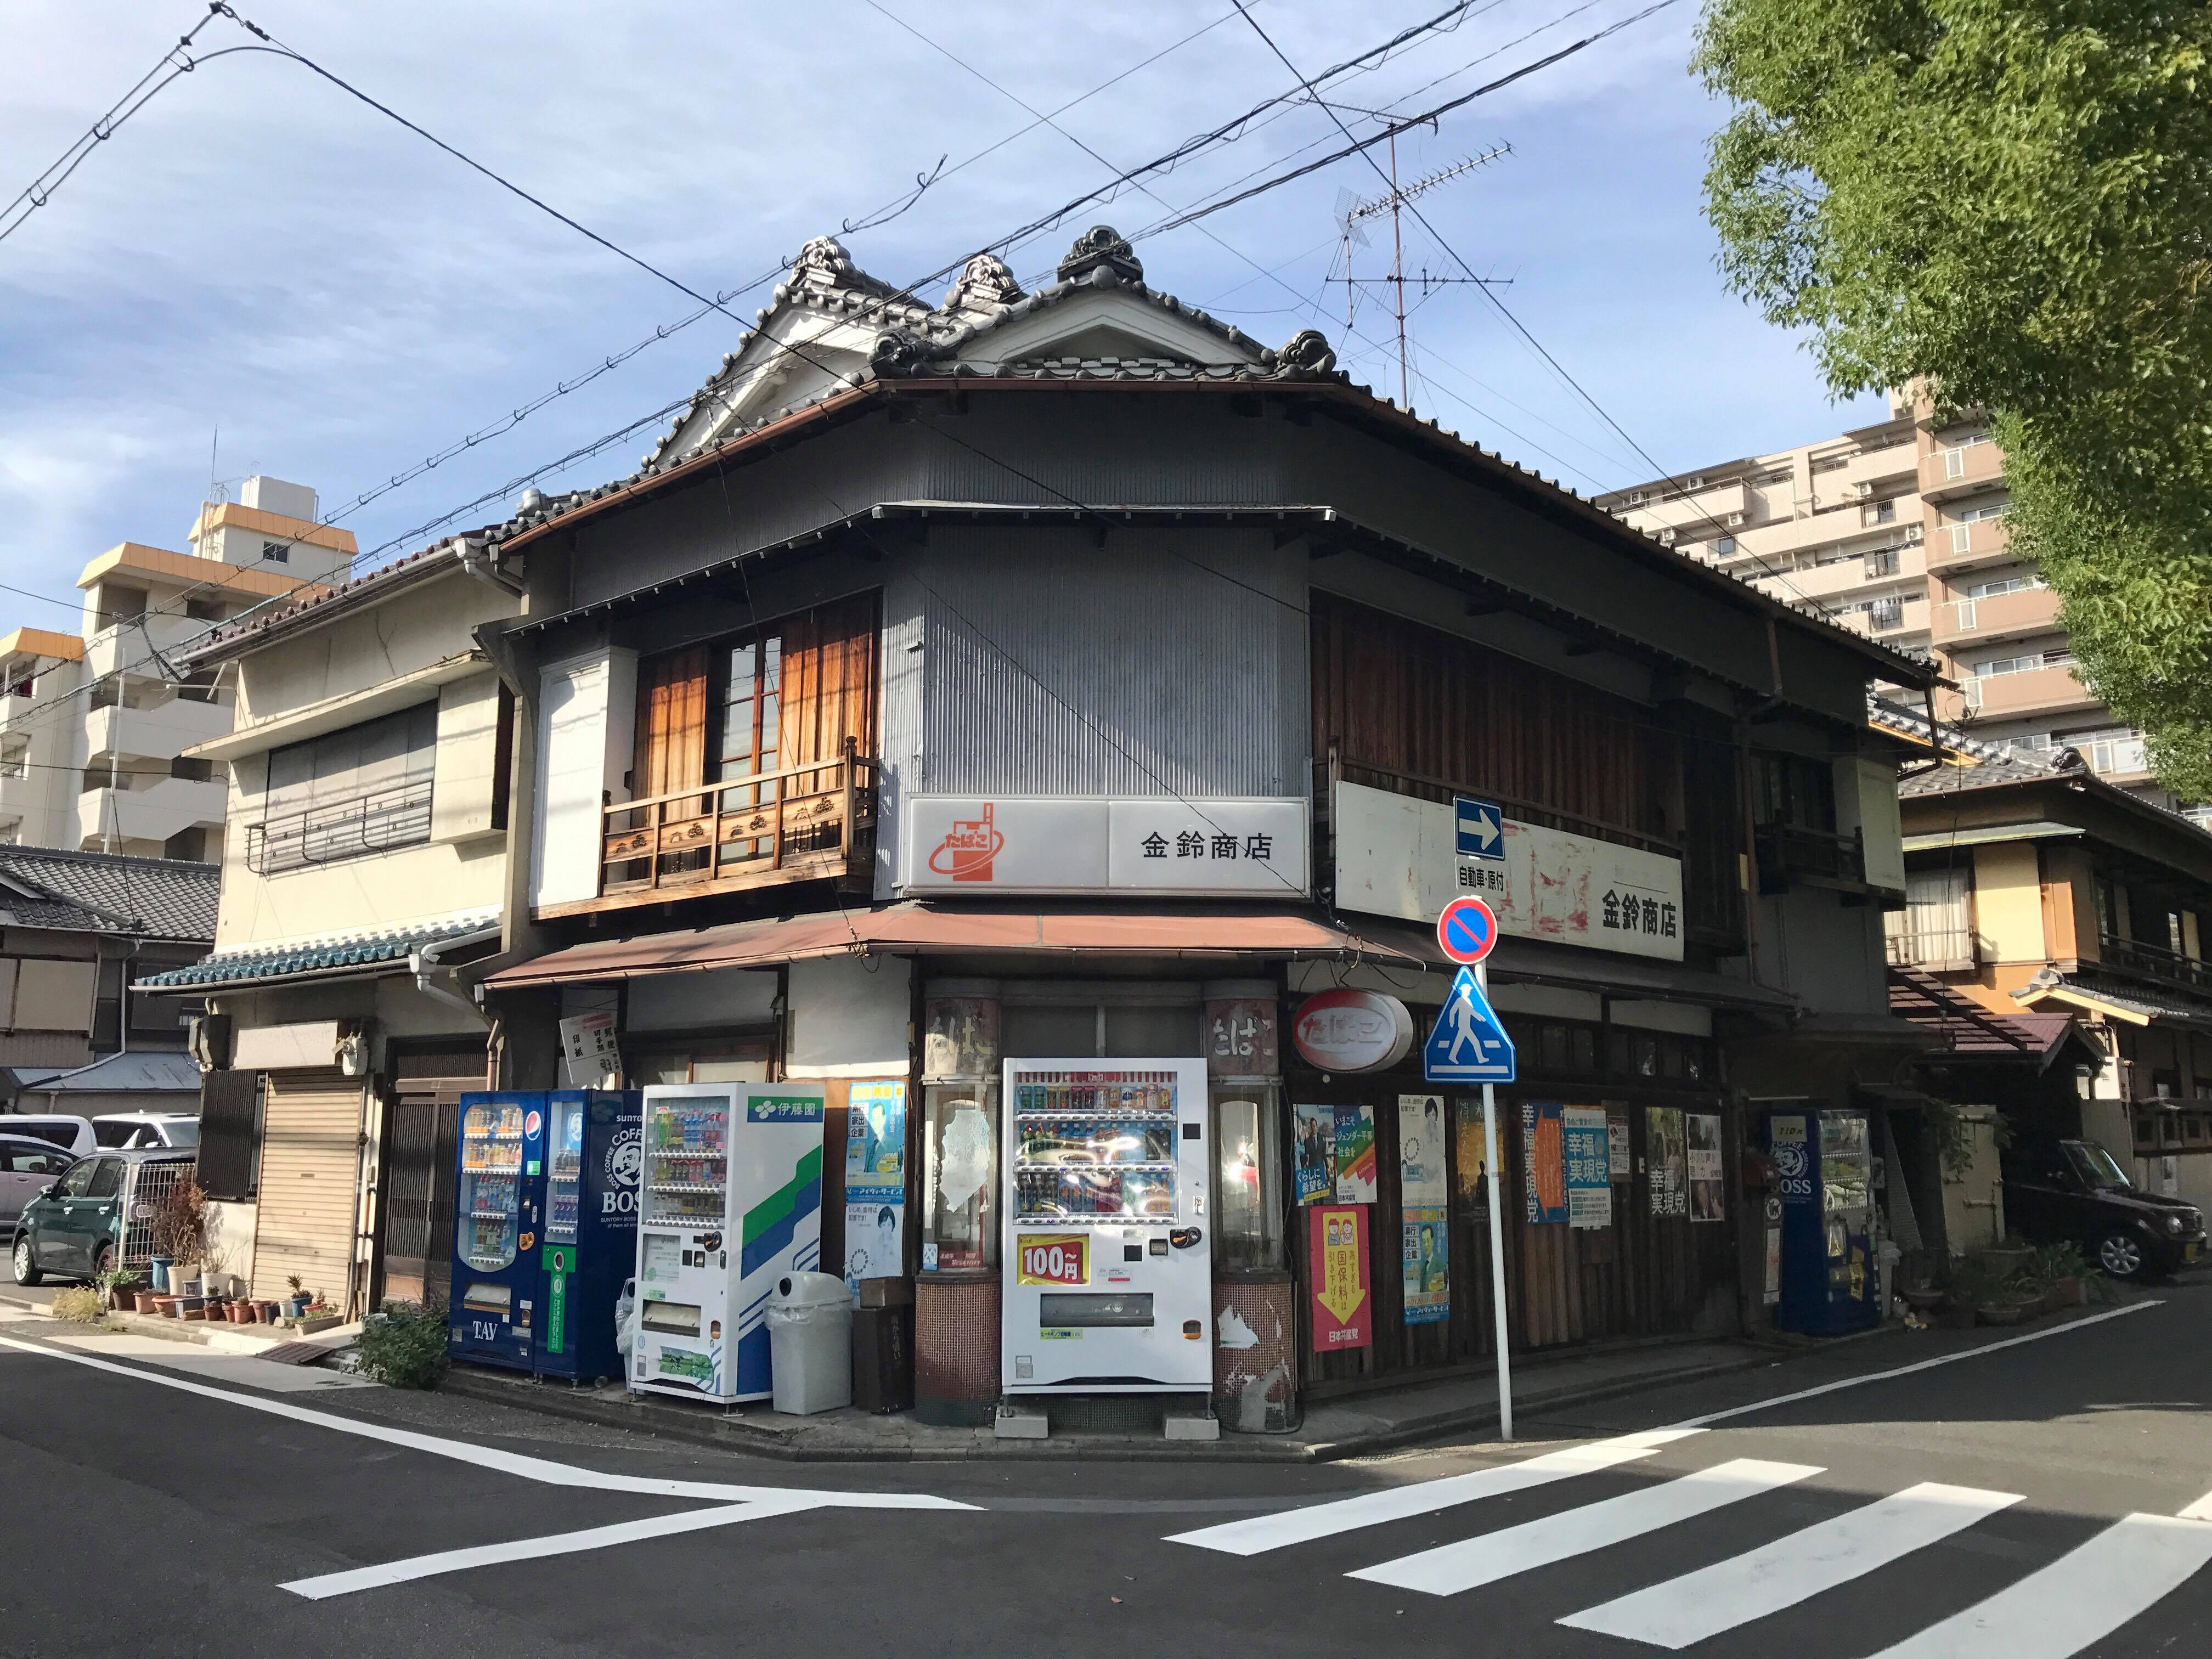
[(1396, 856), (1030, 844)]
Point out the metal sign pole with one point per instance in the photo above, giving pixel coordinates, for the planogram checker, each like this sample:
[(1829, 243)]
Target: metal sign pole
[(1497, 1245)]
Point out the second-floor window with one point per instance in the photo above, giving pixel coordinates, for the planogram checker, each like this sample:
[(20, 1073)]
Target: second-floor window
[(1794, 790), (1936, 928), (348, 794)]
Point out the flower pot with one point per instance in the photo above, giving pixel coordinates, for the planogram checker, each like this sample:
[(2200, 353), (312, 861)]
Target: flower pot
[(157, 1274), (120, 1300), (295, 1306), (234, 1313), (2000, 1313), (165, 1305), (270, 1311), (146, 1301), (1922, 1299)]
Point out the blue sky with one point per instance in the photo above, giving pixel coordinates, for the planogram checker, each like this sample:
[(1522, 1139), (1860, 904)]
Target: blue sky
[(257, 253)]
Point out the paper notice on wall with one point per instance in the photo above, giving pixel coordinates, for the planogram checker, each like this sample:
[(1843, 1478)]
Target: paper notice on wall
[(1421, 1151), (1426, 1264), (590, 1055), (1667, 1158), (1355, 1154), (1342, 1309), (875, 1233), (1588, 1166), (1707, 1202), (1543, 1162), (875, 1133), (1316, 1153), (1616, 1146)]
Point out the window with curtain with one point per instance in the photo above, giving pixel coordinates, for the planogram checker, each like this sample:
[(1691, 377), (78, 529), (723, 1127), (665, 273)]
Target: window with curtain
[(1936, 928), (364, 789)]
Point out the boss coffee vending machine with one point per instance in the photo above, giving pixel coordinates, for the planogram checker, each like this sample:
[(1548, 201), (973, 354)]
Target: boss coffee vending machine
[(1109, 1277)]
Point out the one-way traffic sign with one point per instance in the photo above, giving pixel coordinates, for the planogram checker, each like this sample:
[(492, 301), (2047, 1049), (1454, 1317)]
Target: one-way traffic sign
[(1468, 1045), (1477, 828)]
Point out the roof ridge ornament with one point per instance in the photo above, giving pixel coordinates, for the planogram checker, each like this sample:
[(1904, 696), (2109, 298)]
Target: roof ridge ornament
[(898, 351), (824, 261), (1101, 248), (986, 283), (1309, 352)]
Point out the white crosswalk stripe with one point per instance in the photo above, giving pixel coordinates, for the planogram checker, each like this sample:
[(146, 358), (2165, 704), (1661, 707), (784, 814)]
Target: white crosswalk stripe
[(2081, 1597), (1451, 1568), (1374, 1509), (1791, 1570)]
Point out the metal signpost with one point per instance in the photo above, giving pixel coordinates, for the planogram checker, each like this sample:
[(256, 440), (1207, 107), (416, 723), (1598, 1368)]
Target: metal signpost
[(1469, 1045)]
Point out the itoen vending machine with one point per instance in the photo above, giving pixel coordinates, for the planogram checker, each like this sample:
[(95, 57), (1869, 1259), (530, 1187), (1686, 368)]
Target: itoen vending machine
[(730, 1202), (1109, 1275)]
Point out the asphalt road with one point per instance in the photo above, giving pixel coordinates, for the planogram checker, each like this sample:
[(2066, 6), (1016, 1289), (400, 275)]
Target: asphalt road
[(2018, 1502)]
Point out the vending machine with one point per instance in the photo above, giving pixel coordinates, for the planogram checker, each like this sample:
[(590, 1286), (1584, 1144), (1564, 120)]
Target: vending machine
[(730, 1202), (546, 1213), (1109, 1276), (1824, 1176)]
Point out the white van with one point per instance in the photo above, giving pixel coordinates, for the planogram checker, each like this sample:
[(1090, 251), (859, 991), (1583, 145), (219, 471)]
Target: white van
[(126, 1130), (74, 1135)]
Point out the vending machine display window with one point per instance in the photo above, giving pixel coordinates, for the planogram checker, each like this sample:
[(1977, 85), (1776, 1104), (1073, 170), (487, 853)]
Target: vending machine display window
[(1247, 1177), (564, 1174), (491, 1183), (960, 1229), (687, 1158)]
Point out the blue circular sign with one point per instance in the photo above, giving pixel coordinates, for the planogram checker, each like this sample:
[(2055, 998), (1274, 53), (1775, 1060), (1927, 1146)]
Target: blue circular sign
[(1467, 930)]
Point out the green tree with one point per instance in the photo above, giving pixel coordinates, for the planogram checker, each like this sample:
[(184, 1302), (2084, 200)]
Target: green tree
[(2010, 200)]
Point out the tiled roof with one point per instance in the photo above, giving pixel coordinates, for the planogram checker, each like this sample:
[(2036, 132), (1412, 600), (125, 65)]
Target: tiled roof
[(2133, 1000), (263, 618), (329, 953), (105, 893), (151, 1070), (1972, 1031)]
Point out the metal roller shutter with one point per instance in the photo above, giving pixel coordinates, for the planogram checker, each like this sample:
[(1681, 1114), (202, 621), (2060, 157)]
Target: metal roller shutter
[(311, 1141)]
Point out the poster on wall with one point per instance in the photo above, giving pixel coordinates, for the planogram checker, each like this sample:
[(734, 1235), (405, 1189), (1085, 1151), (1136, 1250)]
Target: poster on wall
[(1667, 1158), (1343, 1309), (875, 1183), (1355, 1154), (1420, 1150), (1707, 1202), (875, 1133), (1588, 1166), (1427, 1264), (1315, 1150), (1471, 1183), (590, 1055), (1616, 1143), (1543, 1161)]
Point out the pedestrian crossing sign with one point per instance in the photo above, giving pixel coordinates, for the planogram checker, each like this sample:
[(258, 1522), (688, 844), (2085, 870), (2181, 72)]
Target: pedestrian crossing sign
[(1467, 1044)]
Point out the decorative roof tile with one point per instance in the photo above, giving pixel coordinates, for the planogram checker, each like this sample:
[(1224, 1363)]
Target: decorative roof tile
[(326, 954)]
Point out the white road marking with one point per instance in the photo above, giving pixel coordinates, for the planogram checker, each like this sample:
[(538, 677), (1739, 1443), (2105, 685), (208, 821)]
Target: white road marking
[(2081, 1597), (1451, 1568), (514, 1463), (2200, 1510), (1710, 1418), (530, 1549), (1374, 1509), (1791, 1570)]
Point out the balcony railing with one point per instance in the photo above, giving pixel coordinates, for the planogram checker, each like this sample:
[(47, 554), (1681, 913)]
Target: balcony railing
[(2155, 961), (1790, 852), (799, 823), (377, 822), (1934, 948)]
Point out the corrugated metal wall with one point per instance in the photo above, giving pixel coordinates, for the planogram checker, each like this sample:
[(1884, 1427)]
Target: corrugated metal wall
[(1184, 652)]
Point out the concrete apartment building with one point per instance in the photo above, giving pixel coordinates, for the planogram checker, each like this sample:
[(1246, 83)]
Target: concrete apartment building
[(1897, 530), (94, 725)]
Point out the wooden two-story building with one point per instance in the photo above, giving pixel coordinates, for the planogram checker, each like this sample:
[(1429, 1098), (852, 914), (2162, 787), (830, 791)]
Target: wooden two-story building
[(1065, 674)]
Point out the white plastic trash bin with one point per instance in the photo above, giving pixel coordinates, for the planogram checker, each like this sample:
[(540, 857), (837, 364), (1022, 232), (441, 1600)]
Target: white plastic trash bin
[(809, 1343)]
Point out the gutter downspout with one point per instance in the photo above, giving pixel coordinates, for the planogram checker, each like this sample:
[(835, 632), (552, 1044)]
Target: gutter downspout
[(424, 961)]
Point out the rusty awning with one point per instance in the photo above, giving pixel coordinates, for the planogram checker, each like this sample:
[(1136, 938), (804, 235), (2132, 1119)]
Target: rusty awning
[(915, 928)]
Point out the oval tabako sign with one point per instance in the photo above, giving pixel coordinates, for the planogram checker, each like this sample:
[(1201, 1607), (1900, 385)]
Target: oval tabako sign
[(1347, 1030)]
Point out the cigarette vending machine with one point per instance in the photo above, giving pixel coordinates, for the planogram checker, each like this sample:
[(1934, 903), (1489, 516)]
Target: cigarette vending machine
[(731, 1201), (544, 1207), (1109, 1275), (1831, 1262)]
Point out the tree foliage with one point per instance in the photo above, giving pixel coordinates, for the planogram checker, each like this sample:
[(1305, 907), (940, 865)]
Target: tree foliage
[(2012, 201)]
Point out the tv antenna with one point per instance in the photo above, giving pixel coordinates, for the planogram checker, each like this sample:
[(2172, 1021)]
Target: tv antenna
[(1351, 212)]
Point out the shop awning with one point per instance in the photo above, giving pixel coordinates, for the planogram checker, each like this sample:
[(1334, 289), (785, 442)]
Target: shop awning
[(914, 928)]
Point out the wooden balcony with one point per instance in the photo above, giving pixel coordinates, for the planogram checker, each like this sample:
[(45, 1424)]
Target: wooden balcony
[(810, 822)]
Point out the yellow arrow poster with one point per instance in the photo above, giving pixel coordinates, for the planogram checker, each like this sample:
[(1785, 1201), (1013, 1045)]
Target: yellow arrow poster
[(1342, 1308)]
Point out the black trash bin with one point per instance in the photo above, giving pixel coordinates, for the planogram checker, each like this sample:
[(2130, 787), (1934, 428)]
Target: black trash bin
[(883, 1359)]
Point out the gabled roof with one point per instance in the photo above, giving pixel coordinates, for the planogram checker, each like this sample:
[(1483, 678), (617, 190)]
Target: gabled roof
[(2135, 1006), (106, 893)]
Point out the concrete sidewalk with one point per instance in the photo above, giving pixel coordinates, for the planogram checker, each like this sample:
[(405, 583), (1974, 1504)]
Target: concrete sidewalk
[(1355, 1426)]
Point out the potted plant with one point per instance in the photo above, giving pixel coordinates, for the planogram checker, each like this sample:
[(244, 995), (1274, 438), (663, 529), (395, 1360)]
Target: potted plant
[(2065, 1274), (115, 1283), (146, 1302), (180, 1236), (1916, 1276), (157, 1272), (296, 1304)]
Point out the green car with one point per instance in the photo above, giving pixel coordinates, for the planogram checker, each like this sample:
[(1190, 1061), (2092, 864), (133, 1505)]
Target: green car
[(74, 1228)]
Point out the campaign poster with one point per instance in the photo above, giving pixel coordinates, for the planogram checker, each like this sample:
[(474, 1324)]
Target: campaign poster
[(1421, 1151), (1427, 1264), (875, 1133), (1355, 1154), (1588, 1166), (1543, 1161), (1616, 1143), (1667, 1158), (1707, 1199), (1471, 1164), (1315, 1150), (875, 1233), (1343, 1307)]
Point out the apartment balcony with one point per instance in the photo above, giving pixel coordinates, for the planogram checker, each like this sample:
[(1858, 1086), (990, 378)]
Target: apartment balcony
[(2034, 691), (810, 822), (2133, 957), (153, 813), (1976, 546), (1960, 469), (123, 646), (160, 730), (1957, 622)]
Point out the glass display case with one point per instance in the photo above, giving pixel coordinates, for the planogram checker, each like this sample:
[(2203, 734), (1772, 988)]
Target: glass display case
[(490, 1197), (564, 1172), (1247, 1204), (960, 1175), (1092, 1147), (687, 1158)]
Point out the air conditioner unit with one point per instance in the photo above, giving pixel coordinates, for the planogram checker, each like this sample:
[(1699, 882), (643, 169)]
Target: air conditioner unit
[(1636, 498), (1736, 521), (1912, 535), (1697, 481), (1667, 535), (1865, 488)]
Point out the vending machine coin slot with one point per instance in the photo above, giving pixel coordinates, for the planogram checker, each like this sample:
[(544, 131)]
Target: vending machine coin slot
[(1159, 1247)]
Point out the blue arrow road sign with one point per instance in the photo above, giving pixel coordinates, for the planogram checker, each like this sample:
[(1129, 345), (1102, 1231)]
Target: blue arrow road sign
[(1477, 828), (1468, 1045)]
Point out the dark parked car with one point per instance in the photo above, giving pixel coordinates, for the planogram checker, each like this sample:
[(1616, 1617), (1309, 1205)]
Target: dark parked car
[(2075, 1189), (74, 1228)]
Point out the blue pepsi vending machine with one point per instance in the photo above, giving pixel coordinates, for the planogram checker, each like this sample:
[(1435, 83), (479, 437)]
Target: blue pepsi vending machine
[(1824, 1174), (544, 1231)]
